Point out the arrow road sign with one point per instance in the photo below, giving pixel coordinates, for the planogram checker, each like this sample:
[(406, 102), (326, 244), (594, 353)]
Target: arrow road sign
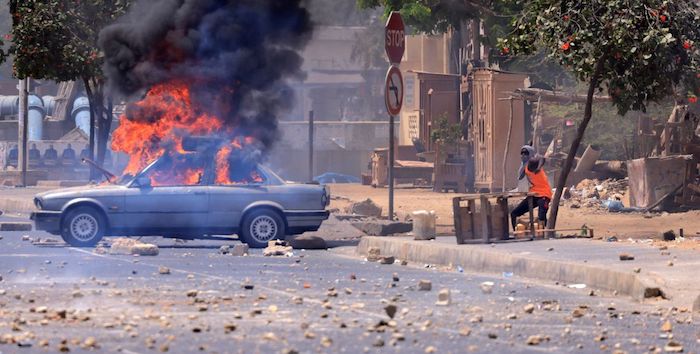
[(393, 90)]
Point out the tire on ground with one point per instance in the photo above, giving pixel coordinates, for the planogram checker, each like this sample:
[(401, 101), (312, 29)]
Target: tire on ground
[(83, 226), (260, 226)]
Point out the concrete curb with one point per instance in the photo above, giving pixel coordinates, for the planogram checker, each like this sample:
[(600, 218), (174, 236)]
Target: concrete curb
[(15, 226), (492, 261), (19, 205)]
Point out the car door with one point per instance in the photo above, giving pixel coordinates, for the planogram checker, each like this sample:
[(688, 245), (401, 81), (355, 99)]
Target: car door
[(167, 207), (228, 201), (153, 202)]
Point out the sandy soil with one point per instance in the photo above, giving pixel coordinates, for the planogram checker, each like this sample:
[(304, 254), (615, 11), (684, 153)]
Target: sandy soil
[(605, 224)]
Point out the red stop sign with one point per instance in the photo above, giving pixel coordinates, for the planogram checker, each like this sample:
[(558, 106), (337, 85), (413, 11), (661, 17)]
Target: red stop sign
[(394, 37)]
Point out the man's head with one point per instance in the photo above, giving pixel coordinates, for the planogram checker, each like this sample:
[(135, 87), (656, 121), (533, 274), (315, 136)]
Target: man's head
[(526, 152), (69, 146)]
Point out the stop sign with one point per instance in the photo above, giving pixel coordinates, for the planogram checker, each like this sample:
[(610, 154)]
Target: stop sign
[(394, 37)]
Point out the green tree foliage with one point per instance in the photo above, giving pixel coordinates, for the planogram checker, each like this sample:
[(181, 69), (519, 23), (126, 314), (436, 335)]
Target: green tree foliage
[(446, 132), (432, 16), (637, 50), (57, 40)]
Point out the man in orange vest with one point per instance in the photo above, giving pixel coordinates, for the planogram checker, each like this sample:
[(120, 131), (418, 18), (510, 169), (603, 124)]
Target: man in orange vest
[(539, 186)]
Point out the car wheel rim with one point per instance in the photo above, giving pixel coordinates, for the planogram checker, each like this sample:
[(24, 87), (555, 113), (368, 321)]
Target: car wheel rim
[(84, 227), (263, 228)]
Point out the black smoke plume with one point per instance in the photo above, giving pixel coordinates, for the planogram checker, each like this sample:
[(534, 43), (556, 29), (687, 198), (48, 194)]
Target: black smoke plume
[(235, 56)]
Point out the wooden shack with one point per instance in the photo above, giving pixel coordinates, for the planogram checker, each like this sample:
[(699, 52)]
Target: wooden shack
[(492, 119), (428, 96)]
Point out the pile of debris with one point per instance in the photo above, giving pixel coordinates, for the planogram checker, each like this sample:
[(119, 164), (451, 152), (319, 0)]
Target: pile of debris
[(609, 194)]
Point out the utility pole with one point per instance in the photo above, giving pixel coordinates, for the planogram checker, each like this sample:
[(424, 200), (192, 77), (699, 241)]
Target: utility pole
[(22, 126), (311, 145)]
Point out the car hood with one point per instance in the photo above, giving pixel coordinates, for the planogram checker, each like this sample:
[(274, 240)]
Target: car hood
[(82, 191)]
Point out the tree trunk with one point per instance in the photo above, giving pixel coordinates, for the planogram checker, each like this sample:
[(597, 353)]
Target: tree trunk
[(91, 100), (587, 113), (101, 118)]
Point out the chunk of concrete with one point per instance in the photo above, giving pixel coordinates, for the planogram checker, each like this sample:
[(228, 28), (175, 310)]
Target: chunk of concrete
[(373, 254), (239, 250), (308, 242), (383, 227), (128, 246), (15, 226), (277, 248), (366, 207)]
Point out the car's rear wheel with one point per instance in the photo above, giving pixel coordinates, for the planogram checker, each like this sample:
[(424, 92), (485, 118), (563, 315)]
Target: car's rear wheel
[(261, 226), (83, 227)]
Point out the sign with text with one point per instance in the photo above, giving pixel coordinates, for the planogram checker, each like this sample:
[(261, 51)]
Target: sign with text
[(394, 37)]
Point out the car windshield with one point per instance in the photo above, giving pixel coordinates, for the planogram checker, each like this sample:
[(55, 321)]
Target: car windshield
[(169, 171)]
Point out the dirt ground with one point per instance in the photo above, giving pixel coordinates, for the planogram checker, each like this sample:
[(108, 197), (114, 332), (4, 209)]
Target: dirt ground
[(637, 226)]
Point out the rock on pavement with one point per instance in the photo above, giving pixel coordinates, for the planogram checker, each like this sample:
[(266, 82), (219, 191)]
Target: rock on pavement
[(366, 207), (128, 246), (308, 242)]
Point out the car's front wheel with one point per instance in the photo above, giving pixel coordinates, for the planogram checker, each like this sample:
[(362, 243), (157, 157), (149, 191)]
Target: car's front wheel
[(261, 226), (83, 227)]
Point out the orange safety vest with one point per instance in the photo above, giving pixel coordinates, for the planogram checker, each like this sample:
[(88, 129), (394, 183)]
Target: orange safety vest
[(539, 185)]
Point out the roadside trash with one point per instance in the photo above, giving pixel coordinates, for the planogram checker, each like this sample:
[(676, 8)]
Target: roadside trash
[(460, 269), (612, 239), (613, 205), (507, 274), (423, 224), (577, 286)]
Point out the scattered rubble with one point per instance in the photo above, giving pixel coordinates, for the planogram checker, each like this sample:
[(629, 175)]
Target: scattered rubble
[(444, 298), (669, 235), (603, 195), (366, 208), (626, 257), (487, 287), (129, 246), (277, 248), (308, 242), (373, 254), (239, 250), (387, 260), (377, 227), (425, 285)]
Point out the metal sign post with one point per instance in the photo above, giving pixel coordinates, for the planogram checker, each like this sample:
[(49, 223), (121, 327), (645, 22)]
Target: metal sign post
[(394, 45)]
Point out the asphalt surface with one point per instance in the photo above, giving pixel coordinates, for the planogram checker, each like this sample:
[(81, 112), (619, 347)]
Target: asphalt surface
[(54, 298)]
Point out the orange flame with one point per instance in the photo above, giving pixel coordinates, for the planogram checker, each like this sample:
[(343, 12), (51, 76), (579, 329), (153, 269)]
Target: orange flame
[(158, 124)]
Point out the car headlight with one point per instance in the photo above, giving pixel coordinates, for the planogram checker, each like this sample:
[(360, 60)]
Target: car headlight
[(326, 195), (38, 203)]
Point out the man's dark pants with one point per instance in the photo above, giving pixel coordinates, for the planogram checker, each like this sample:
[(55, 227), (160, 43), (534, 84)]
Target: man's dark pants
[(542, 204)]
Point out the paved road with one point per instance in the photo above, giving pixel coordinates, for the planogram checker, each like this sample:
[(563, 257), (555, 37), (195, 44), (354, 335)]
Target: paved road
[(52, 295)]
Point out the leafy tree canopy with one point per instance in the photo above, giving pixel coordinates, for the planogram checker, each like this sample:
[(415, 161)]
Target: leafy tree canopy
[(57, 39), (432, 16), (647, 47)]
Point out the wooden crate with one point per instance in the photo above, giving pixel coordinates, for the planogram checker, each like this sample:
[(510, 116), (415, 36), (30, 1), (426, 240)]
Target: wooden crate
[(484, 218)]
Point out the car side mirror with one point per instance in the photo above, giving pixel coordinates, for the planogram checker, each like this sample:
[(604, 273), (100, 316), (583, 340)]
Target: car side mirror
[(142, 182)]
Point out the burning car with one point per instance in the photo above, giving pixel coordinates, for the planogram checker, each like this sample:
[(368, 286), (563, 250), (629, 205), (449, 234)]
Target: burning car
[(157, 201)]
